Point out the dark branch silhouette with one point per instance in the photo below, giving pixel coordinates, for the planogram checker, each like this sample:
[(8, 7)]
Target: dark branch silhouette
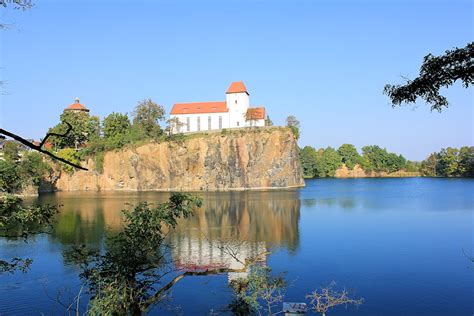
[(436, 72), (39, 147)]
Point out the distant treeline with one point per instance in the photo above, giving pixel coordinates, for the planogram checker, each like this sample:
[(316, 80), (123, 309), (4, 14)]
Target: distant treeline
[(324, 162), (449, 162)]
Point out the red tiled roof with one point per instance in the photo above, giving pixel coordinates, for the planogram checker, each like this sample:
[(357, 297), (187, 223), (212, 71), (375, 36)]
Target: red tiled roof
[(199, 107), (236, 87), (77, 106), (256, 113)]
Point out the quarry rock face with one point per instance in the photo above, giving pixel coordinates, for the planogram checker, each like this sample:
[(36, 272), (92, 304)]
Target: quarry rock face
[(263, 158)]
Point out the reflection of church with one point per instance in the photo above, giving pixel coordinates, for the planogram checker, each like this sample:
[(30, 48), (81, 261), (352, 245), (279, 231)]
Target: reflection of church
[(251, 221), (200, 254)]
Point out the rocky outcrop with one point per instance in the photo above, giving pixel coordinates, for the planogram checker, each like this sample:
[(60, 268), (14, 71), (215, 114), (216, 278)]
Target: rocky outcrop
[(260, 158), (358, 172)]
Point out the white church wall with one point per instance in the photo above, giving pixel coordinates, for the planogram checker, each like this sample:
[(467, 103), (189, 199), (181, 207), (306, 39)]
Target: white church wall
[(237, 103), (204, 121)]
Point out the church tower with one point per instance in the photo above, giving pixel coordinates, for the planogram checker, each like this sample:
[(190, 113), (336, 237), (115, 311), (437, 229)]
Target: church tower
[(238, 102)]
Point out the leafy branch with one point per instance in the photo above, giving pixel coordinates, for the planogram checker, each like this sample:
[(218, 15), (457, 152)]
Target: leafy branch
[(39, 147), (436, 72)]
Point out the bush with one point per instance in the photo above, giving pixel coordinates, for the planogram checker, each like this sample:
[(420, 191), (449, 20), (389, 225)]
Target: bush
[(34, 167), (70, 155), (10, 179)]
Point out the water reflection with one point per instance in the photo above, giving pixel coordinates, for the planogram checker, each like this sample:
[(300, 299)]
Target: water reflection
[(261, 219)]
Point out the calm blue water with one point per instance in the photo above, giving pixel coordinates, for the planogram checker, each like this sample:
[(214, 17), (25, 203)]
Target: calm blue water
[(398, 243)]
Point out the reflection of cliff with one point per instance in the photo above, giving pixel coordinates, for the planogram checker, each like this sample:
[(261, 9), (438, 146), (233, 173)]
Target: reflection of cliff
[(271, 217), (85, 219)]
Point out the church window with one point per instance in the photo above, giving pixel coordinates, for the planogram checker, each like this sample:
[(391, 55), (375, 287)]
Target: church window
[(209, 122), (220, 122), (188, 124), (199, 123)]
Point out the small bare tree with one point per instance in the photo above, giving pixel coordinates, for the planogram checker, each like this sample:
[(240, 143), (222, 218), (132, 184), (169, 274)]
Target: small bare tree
[(174, 126), (326, 298)]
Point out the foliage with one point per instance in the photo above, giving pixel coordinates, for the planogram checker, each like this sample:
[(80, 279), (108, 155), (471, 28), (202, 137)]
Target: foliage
[(349, 155), (17, 4), (15, 174), (15, 264), (147, 115), (84, 129), (435, 73), (17, 220), (259, 286), (428, 166), (325, 162), (309, 161), (99, 161), (326, 298), (34, 167), (115, 125), (268, 121), (378, 159), (71, 155), (11, 151), (121, 279), (329, 161), (174, 126), (449, 162), (10, 179), (294, 125)]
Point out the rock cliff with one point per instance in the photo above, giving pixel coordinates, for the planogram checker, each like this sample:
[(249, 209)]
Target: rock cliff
[(262, 158), (358, 172)]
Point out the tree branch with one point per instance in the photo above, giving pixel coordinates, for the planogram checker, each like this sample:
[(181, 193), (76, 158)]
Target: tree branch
[(39, 147)]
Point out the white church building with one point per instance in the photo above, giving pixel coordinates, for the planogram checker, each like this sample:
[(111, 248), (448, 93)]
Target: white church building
[(233, 113)]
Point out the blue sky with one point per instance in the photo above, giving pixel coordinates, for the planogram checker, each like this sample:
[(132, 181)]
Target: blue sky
[(326, 62)]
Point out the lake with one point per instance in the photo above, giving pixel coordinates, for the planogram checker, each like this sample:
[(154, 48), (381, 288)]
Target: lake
[(401, 244)]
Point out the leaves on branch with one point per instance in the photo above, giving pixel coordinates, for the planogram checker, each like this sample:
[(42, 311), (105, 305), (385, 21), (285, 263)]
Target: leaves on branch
[(436, 72)]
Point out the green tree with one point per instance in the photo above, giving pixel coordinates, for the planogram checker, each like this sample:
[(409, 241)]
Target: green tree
[(70, 155), (268, 121), (448, 162), (17, 220), (147, 115), (10, 179), (349, 155), (11, 151), (115, 124), (436, 72), (466, 161), (294, 125), (428, 166), (309, 161), (34, 167), (83, 129), (122, 278), (328, 162)]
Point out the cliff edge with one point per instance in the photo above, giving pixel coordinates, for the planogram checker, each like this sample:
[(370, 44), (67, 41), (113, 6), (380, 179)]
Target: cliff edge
[(240, 159)]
